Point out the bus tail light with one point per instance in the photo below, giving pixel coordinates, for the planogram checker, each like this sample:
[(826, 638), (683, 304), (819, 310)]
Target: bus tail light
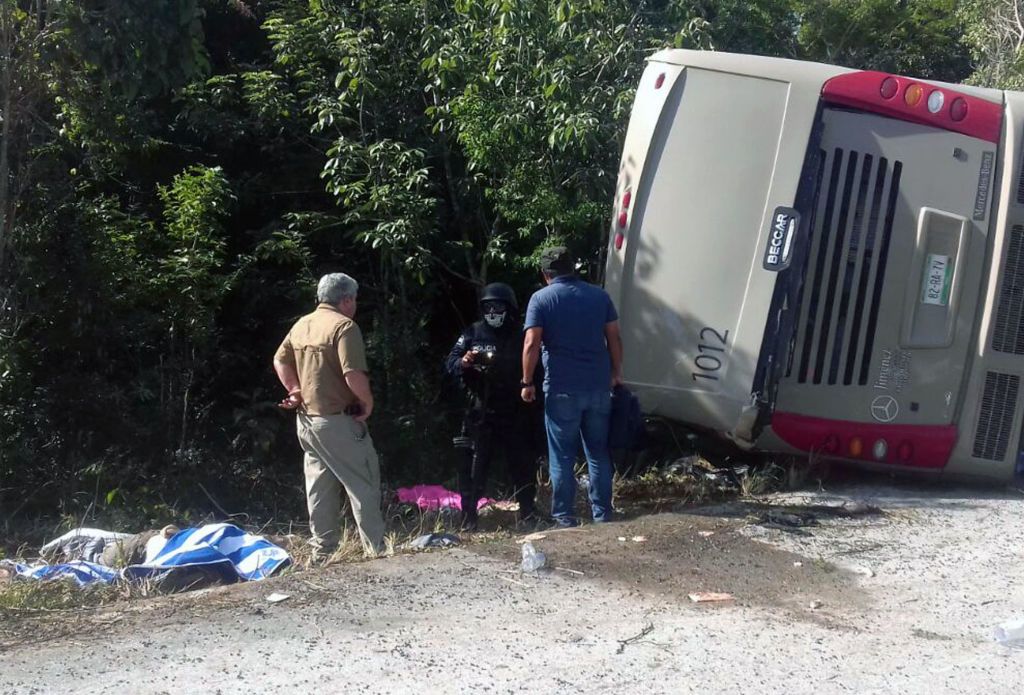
[(945, 108), (958, 109), (623, 219), (889, 87), (921, 446), (912, 95)]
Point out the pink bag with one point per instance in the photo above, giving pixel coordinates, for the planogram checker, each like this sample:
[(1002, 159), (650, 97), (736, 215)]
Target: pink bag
[(428, 497)]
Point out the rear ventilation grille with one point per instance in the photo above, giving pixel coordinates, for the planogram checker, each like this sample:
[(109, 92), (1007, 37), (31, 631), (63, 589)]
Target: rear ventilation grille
[(1008, 335), (995, 420), (839, 302), (1020, 178)]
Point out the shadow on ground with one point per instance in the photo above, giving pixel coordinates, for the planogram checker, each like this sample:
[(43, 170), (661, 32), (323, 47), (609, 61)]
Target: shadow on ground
[(673, 555)]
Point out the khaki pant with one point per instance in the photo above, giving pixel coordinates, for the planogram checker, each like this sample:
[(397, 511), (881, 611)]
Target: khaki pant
[(339, 452)]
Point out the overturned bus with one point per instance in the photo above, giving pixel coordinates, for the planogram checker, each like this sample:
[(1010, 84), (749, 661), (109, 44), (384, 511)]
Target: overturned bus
[(812, 259)]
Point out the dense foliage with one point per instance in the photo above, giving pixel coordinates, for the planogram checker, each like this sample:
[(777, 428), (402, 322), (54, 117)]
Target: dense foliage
[(175, 175)]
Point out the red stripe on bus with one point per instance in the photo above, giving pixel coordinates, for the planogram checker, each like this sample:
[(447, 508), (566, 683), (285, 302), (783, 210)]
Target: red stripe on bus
[(863, 90), (920, 446)]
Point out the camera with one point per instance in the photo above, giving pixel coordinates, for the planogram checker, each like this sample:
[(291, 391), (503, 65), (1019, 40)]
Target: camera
[(482, 359)]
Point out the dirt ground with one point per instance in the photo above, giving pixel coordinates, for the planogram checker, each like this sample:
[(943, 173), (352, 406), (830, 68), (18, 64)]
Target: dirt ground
[(902, 602)]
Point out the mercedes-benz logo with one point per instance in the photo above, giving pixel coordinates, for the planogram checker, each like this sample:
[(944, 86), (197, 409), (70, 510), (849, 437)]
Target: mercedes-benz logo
[(885, 408)]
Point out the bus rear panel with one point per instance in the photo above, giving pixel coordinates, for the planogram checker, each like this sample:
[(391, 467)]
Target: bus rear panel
[(810, 259)]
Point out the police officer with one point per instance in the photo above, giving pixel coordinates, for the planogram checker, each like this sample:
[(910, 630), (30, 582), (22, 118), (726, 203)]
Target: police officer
[(486, 360)]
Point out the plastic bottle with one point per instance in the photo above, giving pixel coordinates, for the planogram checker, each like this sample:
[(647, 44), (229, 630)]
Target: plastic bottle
[(1011, 633), (533, 559)]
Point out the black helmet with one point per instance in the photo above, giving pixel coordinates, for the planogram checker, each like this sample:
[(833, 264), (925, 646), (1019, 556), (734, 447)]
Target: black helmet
[(500, 292)]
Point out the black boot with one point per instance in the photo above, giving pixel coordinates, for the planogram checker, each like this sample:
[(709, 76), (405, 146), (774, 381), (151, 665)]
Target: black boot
[(470, 521), (526, 496)]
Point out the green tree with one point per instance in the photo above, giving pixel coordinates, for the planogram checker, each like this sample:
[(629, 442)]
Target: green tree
[(25, 29), (922, 38), (995, 33)]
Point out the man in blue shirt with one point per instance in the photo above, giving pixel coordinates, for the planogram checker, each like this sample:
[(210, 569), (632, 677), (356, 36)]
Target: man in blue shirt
[(576, 324)]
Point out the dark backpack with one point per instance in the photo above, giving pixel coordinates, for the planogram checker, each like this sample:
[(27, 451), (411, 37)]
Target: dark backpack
[(626, 428)]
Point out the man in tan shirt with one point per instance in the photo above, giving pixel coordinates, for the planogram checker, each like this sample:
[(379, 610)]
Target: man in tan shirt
[(322, 364)]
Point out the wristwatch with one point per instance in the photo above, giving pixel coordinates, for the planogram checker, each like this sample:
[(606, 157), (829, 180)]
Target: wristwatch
[(524, 385)]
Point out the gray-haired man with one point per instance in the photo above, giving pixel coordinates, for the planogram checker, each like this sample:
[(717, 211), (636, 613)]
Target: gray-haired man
[(322, 364)]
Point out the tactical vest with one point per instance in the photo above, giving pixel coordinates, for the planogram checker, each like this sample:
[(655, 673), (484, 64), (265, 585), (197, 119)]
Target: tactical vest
[(501, 378)]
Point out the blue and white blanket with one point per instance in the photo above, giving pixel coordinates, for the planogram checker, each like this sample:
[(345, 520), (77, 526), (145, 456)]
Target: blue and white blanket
[(221, 548), (80, 571)]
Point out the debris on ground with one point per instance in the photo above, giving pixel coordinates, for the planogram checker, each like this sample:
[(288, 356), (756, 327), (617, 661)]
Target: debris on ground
[(688, 479), (705, 534), (861, 569), (787, 521), (815, 605), (858, 508), (277, 598), (795, 519), (639, 539), (433, 540), (1011, 634), (795, 515), (533, 559), (532, 537), (710, 597), (570, 571), (648, 629), (729, 477)]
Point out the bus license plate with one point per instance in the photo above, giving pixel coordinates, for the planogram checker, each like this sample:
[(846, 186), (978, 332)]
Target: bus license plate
[(938, 275)]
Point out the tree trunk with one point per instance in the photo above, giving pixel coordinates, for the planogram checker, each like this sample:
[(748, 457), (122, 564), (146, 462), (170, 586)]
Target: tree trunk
[(453, 195), (7, 49)]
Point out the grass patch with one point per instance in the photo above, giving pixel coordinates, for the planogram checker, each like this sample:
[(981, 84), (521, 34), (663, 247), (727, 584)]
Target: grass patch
[(695, 480), (33, 596), (30, 596), (665, 485), (404, 523), (698, 482)]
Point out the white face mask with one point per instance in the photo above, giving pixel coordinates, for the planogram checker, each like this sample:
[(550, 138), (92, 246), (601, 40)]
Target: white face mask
[(495, 319)]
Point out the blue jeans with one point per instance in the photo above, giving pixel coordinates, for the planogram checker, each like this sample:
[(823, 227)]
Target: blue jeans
[(567, 417)]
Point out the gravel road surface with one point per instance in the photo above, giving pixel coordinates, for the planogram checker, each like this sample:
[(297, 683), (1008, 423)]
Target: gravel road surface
[(902, 602)]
